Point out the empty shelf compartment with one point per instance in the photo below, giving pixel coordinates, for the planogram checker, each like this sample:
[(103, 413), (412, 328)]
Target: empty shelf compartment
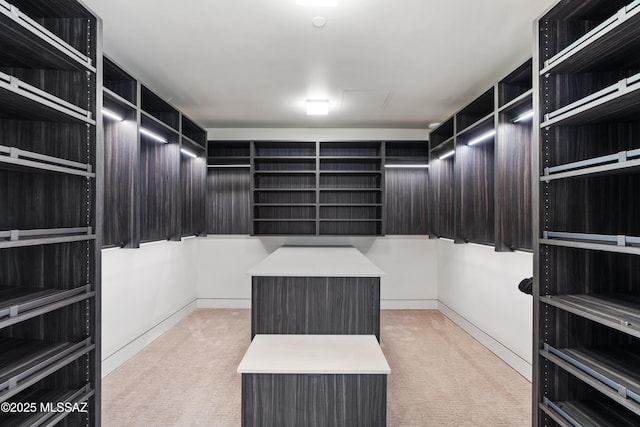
[(23, 101), (600, 412), (33, 46), (619, 100), (619, 33), (25, 362), (20, 303), (15, 158), (615, 367), (618, 312)]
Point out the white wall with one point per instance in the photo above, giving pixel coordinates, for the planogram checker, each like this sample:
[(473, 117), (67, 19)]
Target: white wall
[(478, 289), (315, 134), (409, 263), (144, 293)]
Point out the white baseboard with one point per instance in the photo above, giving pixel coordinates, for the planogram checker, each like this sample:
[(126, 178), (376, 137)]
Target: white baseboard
[(406, 304), (523, 367), (114, 360), (223, 303)]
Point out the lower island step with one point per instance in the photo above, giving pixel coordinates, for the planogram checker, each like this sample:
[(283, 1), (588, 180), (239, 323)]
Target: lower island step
[(314, 381)]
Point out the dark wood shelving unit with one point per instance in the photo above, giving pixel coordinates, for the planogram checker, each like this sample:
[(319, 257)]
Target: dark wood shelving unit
[(337, 185), (51, 164), (156, 165), (480, 173), (406, 178), (586, 294), (229, 187)]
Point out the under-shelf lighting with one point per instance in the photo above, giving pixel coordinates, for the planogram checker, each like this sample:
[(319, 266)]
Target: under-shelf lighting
[(485, 136), (318, 3), (229, 166), (524, 116), (188, 153), (153, 135), (113, 116), (447, 154), (317, 107), (407, 166)]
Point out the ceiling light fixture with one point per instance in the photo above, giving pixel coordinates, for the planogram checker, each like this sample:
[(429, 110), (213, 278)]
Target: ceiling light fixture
[(434, 125), (317, 107), (188, 153), (153, 135), (317, 3), (113, 116), (484, 137), (524, 116), (407, 166), (446, 155)]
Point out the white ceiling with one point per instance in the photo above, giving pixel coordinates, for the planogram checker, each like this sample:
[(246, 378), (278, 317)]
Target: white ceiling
[(381, 63)]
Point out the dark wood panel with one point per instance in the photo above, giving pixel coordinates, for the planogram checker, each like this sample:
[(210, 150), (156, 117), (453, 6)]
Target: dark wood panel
[(61, 266), (441, 182), (64, 140), (120, 175), (159, 186), (228, 201), (34, 201), (314, 400), (193, 178), (475, 187), (407, 201), (513, 185), (315, 305), (600, 205)]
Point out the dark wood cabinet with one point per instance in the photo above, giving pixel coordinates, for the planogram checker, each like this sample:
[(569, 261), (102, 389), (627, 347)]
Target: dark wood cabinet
[(480, 180), (51, 163), (155, 174), (586, 293)]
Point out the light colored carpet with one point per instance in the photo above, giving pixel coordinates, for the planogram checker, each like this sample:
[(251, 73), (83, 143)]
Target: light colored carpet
[(440, 376)]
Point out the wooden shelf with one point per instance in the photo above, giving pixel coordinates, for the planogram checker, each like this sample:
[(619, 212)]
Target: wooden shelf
[(284, 204), (594, 413), (349, 158), (33, 46), (610, 370), (350, 172), (523, 99), (16, 159), (26, 362), (284, 219), (616, 101), (603, 165), (117, 98), (284, 172), (23, 101), (157, 125), (22, 238), (20, 303), (620, 34), (622, 314), (348, 189)]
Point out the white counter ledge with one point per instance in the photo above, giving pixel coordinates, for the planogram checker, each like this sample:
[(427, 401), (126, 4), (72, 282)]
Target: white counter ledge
[(314, 354), (292, 261)]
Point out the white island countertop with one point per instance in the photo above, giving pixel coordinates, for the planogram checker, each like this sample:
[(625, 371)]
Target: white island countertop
[(318, 261), (314, 354)]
